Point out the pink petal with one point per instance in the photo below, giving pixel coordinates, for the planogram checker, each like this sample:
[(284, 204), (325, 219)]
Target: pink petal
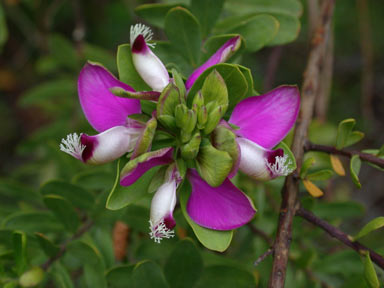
[(220, 56), (148, 160), (220, 208), (102, 109), (267, 119)]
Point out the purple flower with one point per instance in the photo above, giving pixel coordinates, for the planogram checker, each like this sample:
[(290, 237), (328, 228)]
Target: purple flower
[(210, 155)]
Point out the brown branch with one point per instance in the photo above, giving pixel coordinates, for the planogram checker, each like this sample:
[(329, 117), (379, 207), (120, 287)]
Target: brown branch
[(291, 185), (64, 246), (309, 146), (263, 256), (272, 66), (340, 235)]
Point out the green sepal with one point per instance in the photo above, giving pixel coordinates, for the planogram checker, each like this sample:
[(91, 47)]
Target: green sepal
[(179, 84), (225, 140), (181, 167), (185, 136), (144, 143), (189, 151), (215, 89), (213, 119), (168, 122), (181, 115), (168, 100), (212, 164), (145, 95), (198, 100), (202, 117)]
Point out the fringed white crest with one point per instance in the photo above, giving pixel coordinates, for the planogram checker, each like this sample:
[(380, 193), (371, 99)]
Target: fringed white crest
[(160, 231), (72, 145), (144, 30), (280, 167)]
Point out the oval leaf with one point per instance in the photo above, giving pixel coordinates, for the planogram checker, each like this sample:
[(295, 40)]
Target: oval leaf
[(336, 165), (355, 165), (312, 189), (370, 272), (372, 225), (148, 274)]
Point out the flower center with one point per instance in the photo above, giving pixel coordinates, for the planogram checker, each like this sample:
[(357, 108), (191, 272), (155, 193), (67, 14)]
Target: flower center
[(72, 145), (278, 165), (145, 31), (160, 231)]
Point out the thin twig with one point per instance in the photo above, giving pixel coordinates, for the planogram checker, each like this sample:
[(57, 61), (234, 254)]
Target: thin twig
[(263, 256), (309, 146), (291, 185), (340, 235), (64, 246), (272, 66)]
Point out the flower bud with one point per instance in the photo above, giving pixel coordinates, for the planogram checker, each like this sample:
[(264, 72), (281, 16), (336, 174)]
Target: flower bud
[(189, 151), (213, 119)]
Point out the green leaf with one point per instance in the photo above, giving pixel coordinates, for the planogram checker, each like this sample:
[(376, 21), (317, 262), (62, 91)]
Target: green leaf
[(308, 163), (60, 276), (354, 137), (370, 272), (63, 210), (168, 100), (286, 7), (75, 194), (155, 13), (120, 276), (32, 221), (234, 80), (32, 277), (49, 248), (3, 28), (19, 240), (211, 239), (258, 31), (343, 132), (226, 277), (207, 11), (213, 165), (120, 196), (355, 165), (179, 83), (148, 274), (214, 89), (248, 77), (127, 71), (289, 29), (184, 265), (183, 30), (63, 51), (372, 225), (91, 261), (136, 217), (320, 175), (332, 210)]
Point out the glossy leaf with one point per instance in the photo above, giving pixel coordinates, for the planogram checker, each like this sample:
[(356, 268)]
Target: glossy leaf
[(32, 221), (63, 210), (207, 12), (308, 163), (136, 217), (289, 28), (154, 13), (184, 266), (324, 174), (285, 7), (49, 248), (211, 239), (120, 196), (19, 240), (120, 276), (355, 165), (183, 30), (370, 272), (343, 132), (354, 137), (148, 274), (127, 71), (75, 194), (372, 225), (60, 276)]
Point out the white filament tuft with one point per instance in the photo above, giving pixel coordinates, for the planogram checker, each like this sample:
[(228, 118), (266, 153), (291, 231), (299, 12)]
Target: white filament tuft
[(72, 145), (280, 167), (160, 231), (144, 30)]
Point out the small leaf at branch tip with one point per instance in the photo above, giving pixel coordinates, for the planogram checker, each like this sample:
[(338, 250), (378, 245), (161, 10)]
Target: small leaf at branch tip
[(337, 166), (373, 225), (312, 189), (355, 165), (370, 272)]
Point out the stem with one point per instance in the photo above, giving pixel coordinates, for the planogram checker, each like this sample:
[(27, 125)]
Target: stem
[(263, 256), (309, 146), (272, 66), (340, 235), (309, 90), (64, 246)]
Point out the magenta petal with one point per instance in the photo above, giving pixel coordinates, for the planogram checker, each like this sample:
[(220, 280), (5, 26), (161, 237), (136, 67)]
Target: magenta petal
[(267, 119), (102, 109), (219, 208), (144, 163), (220, 56)]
